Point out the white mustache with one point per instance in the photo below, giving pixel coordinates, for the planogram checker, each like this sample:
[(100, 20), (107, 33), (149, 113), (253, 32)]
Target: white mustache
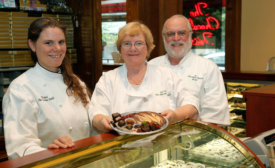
[(176, 43)]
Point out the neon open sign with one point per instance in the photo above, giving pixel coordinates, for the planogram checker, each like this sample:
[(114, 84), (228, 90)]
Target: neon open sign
[(206, 28)]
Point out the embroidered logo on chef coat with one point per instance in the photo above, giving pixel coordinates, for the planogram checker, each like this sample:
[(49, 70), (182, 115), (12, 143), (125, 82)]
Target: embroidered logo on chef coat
[(195, 77), (163, 93), (45, 98)]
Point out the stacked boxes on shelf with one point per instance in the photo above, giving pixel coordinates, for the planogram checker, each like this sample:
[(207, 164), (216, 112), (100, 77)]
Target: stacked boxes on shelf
[(14, 35), (5, 31), (22, 58), (19, 24), (71, 53), (6, 58), (14, 29), (15, 58), (32, 5)]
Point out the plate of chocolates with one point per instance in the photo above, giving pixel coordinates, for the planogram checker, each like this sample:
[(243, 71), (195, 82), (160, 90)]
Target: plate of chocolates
[(140, 123)]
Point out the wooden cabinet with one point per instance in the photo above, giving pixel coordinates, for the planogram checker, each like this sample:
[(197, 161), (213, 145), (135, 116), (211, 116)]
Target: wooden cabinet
[(260, 106)]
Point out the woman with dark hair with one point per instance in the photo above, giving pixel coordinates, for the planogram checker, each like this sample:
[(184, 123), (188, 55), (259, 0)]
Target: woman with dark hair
[(47, 106)]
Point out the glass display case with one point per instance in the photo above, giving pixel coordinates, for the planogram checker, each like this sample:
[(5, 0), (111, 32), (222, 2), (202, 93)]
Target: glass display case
[(189, 144), (237, 107)]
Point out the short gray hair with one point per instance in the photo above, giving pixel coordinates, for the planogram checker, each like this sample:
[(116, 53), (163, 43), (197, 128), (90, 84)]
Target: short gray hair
[(177, 16)]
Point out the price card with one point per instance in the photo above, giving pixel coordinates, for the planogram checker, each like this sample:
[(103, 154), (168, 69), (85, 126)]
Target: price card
[(9, 4)]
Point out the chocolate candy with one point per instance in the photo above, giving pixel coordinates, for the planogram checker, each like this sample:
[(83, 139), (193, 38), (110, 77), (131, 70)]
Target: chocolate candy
[(153, 126), (145, 126), (130, 121), (137, 126), (121, 123), (129, 126), (115, 115), (117, 119)]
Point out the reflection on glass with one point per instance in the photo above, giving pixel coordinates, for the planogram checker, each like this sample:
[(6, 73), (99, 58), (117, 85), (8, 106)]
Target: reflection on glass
[(113, 18), (183, 145), (214, 53)]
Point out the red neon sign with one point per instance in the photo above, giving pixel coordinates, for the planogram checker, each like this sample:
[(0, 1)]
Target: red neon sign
[(206, 26), (197, 41)]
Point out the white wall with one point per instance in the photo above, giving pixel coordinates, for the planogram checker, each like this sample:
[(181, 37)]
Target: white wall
[(257, 34)]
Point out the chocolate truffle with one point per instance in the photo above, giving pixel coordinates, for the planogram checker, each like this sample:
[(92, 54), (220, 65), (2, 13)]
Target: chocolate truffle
[(117, 119), (153, 126), (137, 126), (157, 126), (145, 126), (114, 115), (129, 126), (121, 123), (130, 121)]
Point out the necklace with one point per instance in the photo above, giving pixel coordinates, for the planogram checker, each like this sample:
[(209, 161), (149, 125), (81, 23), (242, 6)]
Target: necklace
[(134, 81), (137, 83)]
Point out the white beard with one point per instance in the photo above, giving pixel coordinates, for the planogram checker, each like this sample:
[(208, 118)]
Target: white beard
[(179, 54)]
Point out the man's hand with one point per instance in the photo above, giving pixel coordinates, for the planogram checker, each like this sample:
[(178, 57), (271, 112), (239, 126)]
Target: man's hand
[(62, 142)]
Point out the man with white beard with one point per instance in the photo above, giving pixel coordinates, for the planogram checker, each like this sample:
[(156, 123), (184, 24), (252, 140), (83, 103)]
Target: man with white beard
[(201, 76)]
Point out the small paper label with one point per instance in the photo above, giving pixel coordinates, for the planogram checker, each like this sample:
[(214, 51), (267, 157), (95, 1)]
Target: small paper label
[(9, 3)]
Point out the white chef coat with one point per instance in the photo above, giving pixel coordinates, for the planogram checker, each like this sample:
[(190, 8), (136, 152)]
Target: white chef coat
[(203, 78), (37, 110), (160, 90)]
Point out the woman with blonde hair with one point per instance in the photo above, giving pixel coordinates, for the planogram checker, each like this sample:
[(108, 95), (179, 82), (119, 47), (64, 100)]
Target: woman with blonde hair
[(138, 86)]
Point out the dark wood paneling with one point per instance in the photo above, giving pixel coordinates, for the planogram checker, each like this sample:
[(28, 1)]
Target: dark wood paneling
[(233, 34), (153, 14), (265, 91), (249, 75), (88, 40), (3, 154), (166, 10), (260, 109)]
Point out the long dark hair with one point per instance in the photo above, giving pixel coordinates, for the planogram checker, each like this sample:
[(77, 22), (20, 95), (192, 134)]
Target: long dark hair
[(70, 79)]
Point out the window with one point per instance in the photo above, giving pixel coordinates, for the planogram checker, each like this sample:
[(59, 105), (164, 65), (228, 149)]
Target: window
[(113, 18), (207, 19)]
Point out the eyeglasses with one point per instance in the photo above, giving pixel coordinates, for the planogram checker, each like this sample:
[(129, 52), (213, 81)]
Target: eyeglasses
[(182, 33), (137, 44)]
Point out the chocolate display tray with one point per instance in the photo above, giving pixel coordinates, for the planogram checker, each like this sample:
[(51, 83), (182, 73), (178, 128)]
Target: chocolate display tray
[(123, 131)]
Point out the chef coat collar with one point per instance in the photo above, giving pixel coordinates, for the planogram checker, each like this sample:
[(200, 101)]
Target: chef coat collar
[(46, 72), (145, 87), (167, 62)]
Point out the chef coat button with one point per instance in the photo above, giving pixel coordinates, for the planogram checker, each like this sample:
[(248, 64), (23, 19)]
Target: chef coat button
[(60, 105), (70, 128), (145, 99), (86, 123)]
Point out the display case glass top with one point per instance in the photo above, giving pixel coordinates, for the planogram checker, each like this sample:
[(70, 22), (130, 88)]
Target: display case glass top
[(184, 144)]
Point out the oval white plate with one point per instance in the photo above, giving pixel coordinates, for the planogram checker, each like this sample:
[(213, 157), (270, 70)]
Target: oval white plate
[(122, 131)]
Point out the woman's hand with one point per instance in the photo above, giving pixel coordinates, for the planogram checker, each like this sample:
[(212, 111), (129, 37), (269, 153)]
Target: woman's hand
[(170, 115), (102, 122), (62, 142), (182, 113)]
